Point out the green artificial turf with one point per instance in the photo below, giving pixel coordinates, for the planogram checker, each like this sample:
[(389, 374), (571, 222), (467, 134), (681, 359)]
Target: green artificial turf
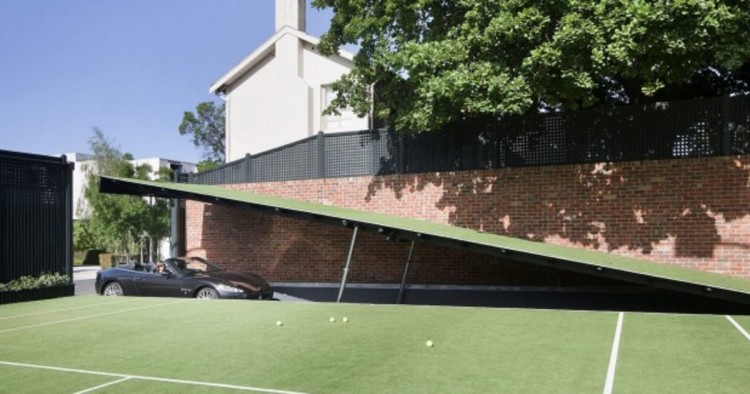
[(28, 380), (744, 321), (585, 257), (382, 349), (682, 354)]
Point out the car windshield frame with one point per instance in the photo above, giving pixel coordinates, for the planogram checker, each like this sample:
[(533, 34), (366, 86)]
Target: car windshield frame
[(177, 265)]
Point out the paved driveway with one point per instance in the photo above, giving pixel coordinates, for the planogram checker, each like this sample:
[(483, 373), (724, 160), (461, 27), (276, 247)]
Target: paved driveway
[(84, 278)]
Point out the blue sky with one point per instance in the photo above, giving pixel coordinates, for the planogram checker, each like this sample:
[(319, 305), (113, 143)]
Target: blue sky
[(129, 67)]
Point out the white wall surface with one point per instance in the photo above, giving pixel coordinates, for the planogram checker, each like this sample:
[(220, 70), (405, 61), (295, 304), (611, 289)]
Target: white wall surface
[(81, 207), (280, 100), (290, 13), (320, 72)]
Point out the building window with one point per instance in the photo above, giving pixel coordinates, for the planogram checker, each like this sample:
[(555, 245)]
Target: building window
[(346, 121)]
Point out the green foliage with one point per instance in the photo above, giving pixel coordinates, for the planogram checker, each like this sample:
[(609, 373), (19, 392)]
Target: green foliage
[(30, 282), (436, 62), (206, 126), (118, 222), (164, 174), (206, 165), (83, 238)]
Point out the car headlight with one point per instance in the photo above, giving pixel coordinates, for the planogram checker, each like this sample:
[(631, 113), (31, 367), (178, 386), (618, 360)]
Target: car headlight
[(228, 289)]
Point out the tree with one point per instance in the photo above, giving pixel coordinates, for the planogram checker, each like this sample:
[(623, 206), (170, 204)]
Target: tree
[(83, 238), (118, 222), (436, 62), (206, 126), (205, 165)]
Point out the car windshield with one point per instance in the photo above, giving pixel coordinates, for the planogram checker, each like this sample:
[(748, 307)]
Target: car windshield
[(199, 265)]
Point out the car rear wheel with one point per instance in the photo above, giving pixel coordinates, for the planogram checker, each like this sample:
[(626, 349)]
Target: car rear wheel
[(207, 293), (112, 289)]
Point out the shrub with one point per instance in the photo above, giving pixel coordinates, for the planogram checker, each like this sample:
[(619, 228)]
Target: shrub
[(106, 260), (46, 279), (78, 257)]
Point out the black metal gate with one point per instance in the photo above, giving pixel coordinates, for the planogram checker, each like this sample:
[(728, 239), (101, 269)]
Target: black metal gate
[(36, 220)]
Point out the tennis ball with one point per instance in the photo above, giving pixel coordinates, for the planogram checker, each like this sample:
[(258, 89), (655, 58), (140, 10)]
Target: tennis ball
[(279, 323), (345, 320), (332, 320), (429, 344)]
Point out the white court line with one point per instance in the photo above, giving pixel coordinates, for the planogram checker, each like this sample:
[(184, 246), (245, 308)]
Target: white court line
[(609, 383), (151, 378), (101, 386), (738, 327), (92, 316), (64, 310)]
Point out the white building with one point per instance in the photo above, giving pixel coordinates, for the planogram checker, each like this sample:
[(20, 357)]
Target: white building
[(83, 163), (81, 209), (277, 94)]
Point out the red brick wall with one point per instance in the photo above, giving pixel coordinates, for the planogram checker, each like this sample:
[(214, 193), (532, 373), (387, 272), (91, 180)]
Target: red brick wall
[(691, 212)]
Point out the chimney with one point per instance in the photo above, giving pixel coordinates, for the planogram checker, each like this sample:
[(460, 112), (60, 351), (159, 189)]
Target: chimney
[(290, 13)]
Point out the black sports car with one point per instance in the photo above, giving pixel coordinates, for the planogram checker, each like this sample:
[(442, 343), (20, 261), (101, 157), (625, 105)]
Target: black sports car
[(194, 277)]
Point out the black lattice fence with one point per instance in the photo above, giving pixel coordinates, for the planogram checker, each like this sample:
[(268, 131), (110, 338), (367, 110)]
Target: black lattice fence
[(289, 162), (353, 154), (36, 222), (668, 130), (738, 126), (655, 131)]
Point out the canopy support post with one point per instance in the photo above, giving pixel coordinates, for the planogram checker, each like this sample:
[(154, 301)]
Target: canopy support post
[(400, 299), (348, 263)]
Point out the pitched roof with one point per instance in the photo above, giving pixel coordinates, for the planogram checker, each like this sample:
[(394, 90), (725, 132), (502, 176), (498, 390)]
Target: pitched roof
[(261, 52)]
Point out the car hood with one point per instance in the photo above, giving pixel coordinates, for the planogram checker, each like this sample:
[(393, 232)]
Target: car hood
[(244, 280)]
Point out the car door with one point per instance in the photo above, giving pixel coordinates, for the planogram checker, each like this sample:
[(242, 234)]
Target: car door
[(158, 285)]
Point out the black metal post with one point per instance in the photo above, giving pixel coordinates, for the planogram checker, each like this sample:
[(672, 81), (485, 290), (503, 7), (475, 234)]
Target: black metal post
[(321, 155), (175, 228), (400, 299), (68, 217), (248, 168), (348, 263)]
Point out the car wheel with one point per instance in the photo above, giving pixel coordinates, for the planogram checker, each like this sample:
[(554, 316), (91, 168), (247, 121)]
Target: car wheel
[(112, 289), (207, 293)]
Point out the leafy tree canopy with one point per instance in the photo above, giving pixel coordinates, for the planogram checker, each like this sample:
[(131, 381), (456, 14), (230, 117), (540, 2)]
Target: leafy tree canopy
[(118, 222), (435, 62), (205, 165), (206, 127)]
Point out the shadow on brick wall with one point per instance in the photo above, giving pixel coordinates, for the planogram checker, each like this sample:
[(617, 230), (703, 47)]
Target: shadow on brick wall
[(607, 206)]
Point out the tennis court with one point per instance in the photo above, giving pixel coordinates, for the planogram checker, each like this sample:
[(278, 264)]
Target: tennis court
[(122, 345)]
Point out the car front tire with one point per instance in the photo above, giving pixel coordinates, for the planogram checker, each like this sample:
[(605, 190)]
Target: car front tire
[(113, 289), (207, 293)]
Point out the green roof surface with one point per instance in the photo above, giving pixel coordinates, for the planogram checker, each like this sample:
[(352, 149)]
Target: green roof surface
[(463, 235)]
